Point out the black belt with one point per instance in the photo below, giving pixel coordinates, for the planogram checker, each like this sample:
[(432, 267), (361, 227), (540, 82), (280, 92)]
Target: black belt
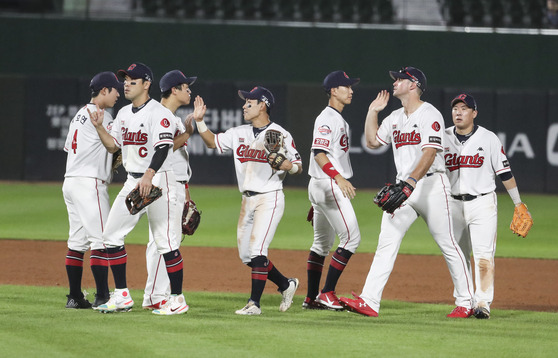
[(136, 175), (429, 174), (182, 181), (466, 197), (249, 193)]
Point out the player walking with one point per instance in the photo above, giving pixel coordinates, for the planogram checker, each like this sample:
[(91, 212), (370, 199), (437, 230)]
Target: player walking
[(175, 92), (144, 130), (330, 193), (473, 157), (415, 132), (261, 186), (88, 172)]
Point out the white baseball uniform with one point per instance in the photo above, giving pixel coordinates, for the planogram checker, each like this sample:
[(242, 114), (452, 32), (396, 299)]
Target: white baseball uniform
[(263, 200), (137, 134), (333, 212), (408, 135), (88, 172), (472, 167), (157, 286)]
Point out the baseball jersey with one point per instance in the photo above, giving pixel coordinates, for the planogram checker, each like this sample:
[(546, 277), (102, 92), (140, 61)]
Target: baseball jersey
[(87, 156), (331, 134), (408, 135), (253, 172), (472, 166), (180, 160), (139, 133)]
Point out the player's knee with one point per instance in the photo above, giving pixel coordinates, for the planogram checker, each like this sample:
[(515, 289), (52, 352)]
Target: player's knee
[(258, 261)]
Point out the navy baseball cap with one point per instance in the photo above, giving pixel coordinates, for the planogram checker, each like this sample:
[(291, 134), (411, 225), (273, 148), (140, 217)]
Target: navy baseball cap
[(259, 93), (465, 98), (338, 78), (137, 70), (105, 79), (174, 78), (410, 73)]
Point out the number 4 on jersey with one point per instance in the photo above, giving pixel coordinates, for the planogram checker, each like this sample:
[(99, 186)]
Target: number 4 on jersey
[(74, 142)]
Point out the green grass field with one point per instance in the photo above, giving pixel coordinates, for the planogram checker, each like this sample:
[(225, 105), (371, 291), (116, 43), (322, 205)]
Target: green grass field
[(34, 322)]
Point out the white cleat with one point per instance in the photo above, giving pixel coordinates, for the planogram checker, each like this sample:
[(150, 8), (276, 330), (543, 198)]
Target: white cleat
[(288, 295), (176, 305), (250, 309), (120, 301)]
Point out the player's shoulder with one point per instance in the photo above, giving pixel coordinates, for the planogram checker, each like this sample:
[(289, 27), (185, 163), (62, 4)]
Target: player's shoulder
[(449, 130), (429, 108), (486, 133), (330, 113)]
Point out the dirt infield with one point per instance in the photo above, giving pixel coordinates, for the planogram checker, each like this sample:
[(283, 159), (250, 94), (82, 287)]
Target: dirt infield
[(524, 284)]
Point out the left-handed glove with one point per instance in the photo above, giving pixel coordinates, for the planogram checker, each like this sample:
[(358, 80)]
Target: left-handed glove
[(135, 202), (522, 221), (393, 195), (190, 218)]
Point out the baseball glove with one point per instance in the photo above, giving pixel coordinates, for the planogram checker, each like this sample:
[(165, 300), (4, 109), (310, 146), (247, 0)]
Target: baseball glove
[(393, 195), (274, 144), (135, 202), (190, 218), (522, 221), (116, 160)]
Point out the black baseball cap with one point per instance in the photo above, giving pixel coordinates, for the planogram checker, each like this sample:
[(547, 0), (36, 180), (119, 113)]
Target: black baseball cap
[(105, 79), (137, 70), (174, 78), (410, 73), (338, 78), (467, 99), (259, 93)]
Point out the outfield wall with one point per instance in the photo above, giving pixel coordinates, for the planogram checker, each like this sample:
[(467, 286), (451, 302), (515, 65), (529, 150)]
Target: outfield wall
[(46, 64)]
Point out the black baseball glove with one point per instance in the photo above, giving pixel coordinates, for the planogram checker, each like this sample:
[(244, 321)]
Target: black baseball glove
[(274, 145), (190, 218), (135, 202), (393, 195)]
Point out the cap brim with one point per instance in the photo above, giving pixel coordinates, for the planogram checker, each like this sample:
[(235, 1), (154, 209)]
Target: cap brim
[(355, 81), (244, 95), (191, 80), (395, 75), (121, 74)]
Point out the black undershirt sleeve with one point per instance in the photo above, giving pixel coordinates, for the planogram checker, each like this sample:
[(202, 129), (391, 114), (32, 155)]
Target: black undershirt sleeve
[(318, 151), (505, 176), (159, 156)]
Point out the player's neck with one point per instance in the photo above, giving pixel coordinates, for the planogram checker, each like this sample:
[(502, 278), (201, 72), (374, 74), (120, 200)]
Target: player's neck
[(261, 121), (170, 104), (336, 104), (97, 101), (140, 100), (411, 104)]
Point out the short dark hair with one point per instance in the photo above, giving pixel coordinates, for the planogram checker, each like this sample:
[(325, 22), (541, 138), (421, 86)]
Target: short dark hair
[(96, 93), (267, 108), (168, 92)]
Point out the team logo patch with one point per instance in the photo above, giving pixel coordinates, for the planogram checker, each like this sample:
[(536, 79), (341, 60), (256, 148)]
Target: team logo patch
[(436, 140), (165, 123), (436, 126), (506, 164), (165, 136), (324, 130), (241, 140), (321, 142)]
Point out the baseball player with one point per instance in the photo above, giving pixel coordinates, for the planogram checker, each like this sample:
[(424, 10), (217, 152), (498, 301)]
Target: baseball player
[(88, 172), (175, 92), (473, 157), (144, 130), (330, 193), (415, 133), (261, 186)]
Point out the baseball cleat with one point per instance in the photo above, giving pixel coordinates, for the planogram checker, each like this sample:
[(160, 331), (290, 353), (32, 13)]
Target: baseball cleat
[(120, 301), (460, 312), (288, 295), (99, 300), (155, 306), (175, 305), (310, 304), (358, 305), (77, 303), (251, 309), (481, 313), (329, 300)]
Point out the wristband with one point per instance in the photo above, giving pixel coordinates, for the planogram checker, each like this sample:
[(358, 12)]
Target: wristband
[(294, 169), (201, 126), (413, 179), (514, 195), (330, 170)]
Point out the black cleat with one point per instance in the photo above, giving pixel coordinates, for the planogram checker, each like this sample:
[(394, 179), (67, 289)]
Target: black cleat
[(99, 300), (481, 313), (77, 302)]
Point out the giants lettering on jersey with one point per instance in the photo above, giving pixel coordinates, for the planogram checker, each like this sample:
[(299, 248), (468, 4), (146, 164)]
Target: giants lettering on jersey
[(246, 154), (401, 139), (135, 138), (344, 143), (454, 162)]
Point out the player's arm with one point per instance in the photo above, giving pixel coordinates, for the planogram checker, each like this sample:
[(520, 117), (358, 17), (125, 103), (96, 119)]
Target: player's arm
[(199, 111), (180, 139), (287, 165), (346, 187), (97, 121), (145, 183), (371, 124), (425, 162), (511, 186)]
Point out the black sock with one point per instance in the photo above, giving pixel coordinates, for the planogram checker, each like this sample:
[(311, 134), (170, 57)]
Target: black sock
[(314, 268), (337, 265), (277, 277), (74, 269), (118, 257), (175, 270), (99, 268), (259, 266)]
